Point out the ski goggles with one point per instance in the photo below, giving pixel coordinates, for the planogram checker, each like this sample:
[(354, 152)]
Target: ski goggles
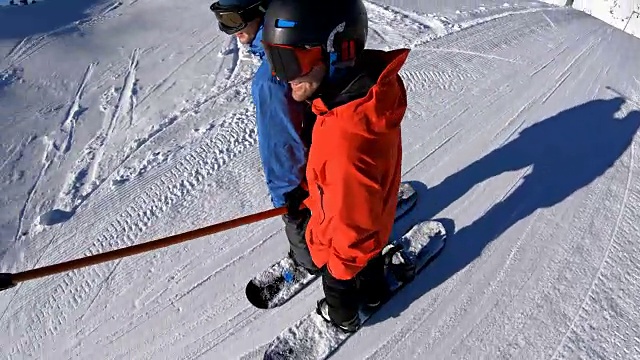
[(288, 62), (233, 19)]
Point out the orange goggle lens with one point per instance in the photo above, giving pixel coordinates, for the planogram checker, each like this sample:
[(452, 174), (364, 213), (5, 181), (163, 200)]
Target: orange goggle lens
[(289, 62)]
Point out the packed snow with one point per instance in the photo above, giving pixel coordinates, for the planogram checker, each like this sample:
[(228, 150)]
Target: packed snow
[(623, 14), (126, 121)]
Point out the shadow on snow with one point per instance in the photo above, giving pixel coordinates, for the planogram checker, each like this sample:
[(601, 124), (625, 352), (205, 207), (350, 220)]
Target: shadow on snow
[(566, 152), (18, 22)]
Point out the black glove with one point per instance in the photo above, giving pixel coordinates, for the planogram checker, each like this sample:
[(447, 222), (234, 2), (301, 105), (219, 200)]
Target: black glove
[(293, 200)]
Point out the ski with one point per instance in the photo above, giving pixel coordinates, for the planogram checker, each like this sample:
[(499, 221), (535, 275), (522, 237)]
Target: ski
[(282, 280), (312, 337)]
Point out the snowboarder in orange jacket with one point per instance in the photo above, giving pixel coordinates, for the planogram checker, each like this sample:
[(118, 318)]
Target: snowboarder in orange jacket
[(354, 164)]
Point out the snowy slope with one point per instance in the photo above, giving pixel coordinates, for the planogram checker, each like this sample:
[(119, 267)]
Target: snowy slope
[(623, 14), (521, 129)]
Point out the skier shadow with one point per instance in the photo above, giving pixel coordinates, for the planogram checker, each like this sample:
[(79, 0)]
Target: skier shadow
[(566, 152), (18, 22)]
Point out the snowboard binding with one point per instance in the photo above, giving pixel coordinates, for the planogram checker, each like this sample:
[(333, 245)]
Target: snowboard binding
[(398, 263)]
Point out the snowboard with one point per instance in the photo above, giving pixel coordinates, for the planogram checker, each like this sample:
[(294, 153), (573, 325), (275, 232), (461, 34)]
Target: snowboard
[(283, 279), (312, 337)]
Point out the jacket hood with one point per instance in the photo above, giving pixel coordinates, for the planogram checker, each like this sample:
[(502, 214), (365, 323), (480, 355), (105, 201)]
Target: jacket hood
[(376, 95)]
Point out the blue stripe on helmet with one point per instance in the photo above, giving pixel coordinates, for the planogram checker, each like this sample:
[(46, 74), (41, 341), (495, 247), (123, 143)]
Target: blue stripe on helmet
[(282, 23)]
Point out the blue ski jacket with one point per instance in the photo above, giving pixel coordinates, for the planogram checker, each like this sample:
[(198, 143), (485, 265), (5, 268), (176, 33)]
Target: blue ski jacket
[(279, 121)]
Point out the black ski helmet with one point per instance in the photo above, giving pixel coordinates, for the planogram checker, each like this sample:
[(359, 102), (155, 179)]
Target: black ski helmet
[(339, 26)]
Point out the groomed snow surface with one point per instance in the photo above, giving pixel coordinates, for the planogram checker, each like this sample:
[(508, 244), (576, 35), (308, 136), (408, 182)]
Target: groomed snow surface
[(126, 121), (623, 14)]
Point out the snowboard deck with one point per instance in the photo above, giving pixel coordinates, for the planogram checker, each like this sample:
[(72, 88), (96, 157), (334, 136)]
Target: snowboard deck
[(283, 279), (312, 337)]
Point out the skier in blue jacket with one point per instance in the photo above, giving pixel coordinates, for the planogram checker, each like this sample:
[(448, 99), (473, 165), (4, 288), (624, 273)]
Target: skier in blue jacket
[(283, 124)]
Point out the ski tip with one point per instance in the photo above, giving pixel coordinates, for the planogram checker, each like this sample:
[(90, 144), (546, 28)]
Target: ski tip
[(255, 296)]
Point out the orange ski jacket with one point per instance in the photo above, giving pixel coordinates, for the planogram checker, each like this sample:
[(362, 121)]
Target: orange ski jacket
[(354, 169)]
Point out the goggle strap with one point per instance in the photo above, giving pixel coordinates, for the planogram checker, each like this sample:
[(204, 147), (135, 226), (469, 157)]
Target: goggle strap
[(245, 14), (348, 52)]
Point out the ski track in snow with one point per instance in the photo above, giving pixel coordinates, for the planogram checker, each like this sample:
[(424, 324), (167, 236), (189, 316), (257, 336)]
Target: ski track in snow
[(75, 110), (125, 105), (124, 226), (29, 46), (486, 39), (455, 66), (86, 177), (124, 109), (125, 99), (234, 136), (59, 143), (414, 326), (596, 277), (47, 159), (171, 74), (234, 79)]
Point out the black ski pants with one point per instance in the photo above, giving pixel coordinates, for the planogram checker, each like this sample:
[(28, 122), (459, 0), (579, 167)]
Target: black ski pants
[(294, 228), (345, 296)]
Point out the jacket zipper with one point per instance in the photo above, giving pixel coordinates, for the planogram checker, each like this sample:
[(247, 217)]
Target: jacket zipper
[(321, 191)]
